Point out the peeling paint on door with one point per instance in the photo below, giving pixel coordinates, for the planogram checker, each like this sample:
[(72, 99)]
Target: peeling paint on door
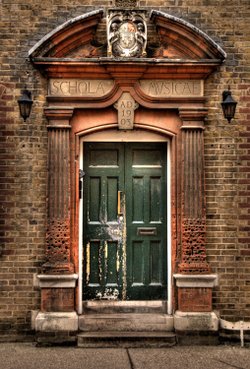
[(123, 262), (87, 262), (124, 249)]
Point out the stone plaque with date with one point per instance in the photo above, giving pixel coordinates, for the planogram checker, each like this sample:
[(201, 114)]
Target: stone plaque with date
[(126, 106)]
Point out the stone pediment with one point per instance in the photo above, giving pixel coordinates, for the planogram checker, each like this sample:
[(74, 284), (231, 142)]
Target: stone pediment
[(169, 37), (72, 37), (180, 39), (169, 44)]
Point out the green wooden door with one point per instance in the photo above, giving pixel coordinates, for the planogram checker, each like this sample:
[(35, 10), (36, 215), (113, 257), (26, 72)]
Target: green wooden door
[(125, 246)]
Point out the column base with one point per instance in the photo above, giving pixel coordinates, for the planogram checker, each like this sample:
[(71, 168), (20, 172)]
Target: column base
[(195, 292), (56, 321), (196, 322), (57, 292)]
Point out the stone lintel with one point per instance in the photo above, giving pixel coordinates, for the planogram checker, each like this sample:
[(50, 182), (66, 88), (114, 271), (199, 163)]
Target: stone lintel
[(56, 321), (196, 280), (185, 321), (57, 281)]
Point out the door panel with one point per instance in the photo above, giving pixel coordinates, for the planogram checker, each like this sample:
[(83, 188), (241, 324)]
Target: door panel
[(125, 221), (146, 221), (104, 168), (138, 199), (155, 199)]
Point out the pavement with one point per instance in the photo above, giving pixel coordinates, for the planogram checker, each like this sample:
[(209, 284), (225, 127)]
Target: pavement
[(28, 356)]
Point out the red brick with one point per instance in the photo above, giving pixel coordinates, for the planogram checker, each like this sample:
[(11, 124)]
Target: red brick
[(57, 299), (195, 299)]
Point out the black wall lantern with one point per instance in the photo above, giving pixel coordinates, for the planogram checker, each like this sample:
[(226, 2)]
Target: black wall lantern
[(228, 105), (25, 103)]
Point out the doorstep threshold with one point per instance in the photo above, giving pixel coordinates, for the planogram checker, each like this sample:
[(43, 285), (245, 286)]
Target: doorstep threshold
[(125, 306), (139, 303)]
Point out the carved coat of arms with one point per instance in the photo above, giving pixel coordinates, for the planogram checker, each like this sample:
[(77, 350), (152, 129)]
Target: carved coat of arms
[(127, 34)]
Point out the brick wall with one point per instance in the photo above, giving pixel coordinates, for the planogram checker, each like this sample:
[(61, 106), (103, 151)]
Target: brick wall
[(227, 168), (23, 151)]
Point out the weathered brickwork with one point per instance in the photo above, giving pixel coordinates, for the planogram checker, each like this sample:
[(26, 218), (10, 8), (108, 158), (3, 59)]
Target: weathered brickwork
[(195, 299), (57, 299), (23, 151)]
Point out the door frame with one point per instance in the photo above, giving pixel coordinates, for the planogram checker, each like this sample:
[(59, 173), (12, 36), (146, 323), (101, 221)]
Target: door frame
[(50, 55), (128, 136)]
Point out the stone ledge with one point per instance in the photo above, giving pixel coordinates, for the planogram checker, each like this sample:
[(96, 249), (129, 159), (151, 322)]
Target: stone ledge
[(55, 321), (57, 281), (196, 280), (127, 322), (110, 339), (196, 321)]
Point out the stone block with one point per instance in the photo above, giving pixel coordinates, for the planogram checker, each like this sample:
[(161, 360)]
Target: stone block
[(56, 321), (184, 321), (126, 322)]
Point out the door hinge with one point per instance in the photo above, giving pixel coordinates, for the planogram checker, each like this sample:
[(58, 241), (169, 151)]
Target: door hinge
[(81, 176)]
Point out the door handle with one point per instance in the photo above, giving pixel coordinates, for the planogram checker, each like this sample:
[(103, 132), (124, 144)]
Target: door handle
[(119, 203)]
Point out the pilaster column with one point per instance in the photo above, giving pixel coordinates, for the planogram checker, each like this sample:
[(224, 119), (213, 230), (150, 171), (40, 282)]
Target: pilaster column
[(58, 223), (194, 279), (58, 280), (193, 194)]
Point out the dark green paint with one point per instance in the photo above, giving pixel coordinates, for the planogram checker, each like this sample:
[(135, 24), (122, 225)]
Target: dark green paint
[(139, 171)]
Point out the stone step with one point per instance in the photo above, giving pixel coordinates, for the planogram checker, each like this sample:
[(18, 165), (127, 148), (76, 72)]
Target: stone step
[(126, 322), (125, 339), (112, 307)]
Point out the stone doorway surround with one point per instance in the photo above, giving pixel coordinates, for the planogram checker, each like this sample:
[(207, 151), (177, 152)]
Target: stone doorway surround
[(167, 87)]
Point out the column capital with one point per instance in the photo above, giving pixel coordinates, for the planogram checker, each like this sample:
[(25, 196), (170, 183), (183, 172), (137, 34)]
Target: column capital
[(193, 118), (59, 117)]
